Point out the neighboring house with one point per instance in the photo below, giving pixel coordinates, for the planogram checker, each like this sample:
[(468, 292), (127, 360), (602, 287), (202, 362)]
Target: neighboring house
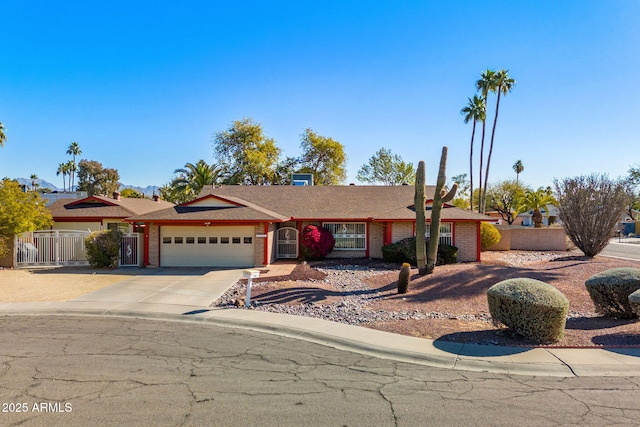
[(248, 226), (102, 213), (549, 216)]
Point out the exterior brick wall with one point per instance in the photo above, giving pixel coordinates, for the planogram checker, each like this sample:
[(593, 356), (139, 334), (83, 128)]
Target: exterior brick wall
[(154, 245), (258, 246), (401, 230), (466, 240), (531, 239)]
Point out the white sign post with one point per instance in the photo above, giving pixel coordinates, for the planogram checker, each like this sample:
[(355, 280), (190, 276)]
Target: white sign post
[(249, 275)]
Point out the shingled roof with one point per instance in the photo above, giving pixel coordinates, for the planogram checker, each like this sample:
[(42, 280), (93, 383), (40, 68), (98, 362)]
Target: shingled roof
[(104, 207), (281, 203)]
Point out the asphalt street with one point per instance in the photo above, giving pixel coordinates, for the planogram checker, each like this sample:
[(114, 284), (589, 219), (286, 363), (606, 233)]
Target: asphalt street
[(73, 371), (622, 250)]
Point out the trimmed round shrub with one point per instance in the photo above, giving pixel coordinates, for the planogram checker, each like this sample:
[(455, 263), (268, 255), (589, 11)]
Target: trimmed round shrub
[(489, 235), (103, 248), (317, 242), (405, 251), (610, 291), (530, 308), (634, 302)]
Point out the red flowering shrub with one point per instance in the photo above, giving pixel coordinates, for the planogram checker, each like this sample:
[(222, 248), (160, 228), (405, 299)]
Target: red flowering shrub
[(317, 242)]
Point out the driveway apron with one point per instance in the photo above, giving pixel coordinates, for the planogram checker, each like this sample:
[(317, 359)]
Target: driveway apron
[(180, 287)]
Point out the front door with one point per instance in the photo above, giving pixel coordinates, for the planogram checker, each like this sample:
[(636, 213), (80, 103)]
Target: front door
[(287, 242)]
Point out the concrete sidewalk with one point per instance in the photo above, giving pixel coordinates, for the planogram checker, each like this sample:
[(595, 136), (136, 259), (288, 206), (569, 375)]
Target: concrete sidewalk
[(184, 294)]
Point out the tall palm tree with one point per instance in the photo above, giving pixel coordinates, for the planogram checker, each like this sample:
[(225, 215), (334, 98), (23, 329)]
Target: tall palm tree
[(518, 167), (475, 110), (536, 201), (74, 150), (3, 136), (34, 182), (193, 178), (502, 85), (484, 85), (63, 169)]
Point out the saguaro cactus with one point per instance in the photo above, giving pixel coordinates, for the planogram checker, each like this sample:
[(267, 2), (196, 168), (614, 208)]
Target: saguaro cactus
[(421, 224), (439, 198)]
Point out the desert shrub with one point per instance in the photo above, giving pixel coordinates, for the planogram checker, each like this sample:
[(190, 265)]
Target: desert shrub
[(529, 307), (103, 248), (610, 291), (405, 251), (589, 207), (489, 235), (317, 242), (634, 302)]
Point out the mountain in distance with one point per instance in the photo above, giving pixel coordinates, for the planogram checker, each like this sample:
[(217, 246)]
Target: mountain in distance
[(148, 191)]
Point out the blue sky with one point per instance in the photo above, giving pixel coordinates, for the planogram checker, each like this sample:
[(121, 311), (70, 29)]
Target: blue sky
[(143, 86)]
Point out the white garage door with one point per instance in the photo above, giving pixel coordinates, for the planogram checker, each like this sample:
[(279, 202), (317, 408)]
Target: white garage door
[(231, 246)]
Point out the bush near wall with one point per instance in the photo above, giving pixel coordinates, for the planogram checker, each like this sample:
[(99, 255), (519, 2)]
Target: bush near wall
[(405, 251), (489, 235), (317, 243), (610, 291), (103, 248), (531, 308)]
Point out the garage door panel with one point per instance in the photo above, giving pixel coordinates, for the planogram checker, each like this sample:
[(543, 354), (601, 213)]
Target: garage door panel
[(231, 246)]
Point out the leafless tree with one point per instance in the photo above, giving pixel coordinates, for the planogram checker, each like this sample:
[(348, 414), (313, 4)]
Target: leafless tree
[(590, 207)]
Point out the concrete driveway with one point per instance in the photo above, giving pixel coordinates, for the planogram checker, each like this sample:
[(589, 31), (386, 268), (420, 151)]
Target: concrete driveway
[(179, 288)]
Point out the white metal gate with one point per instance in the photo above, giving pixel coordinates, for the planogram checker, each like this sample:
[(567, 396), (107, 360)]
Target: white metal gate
[(287, 242), (66, 247), (51, 247), (130, 250)]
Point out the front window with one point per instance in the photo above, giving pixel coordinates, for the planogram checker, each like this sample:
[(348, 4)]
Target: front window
[(348, 235), (446, 234)]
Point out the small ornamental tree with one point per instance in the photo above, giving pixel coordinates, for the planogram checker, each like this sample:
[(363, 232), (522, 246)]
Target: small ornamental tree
[(317, 242)]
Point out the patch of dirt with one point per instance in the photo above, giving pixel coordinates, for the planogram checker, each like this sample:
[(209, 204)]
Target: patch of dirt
[(454, 300)]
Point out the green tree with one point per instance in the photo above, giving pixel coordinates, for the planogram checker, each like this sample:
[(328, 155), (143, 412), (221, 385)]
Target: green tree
[(518, 167), (286, 168), (323, 157), (536, 201), (74, 150), (3, 135), (633, 184), (245, 154), (501, 84), (96, 179), (387, 168), (485, 84), (191, 180), (63, 168), (463, 195), (131, 193), (476, 110), (505, 197), (19, 212)]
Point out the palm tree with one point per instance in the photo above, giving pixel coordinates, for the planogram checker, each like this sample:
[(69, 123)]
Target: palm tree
[(475, 110), (3, 136), (536, 201), (518, 167), (502, 84), (63, 169), (74, 149), (484, 85), (34, 183), (193, 178)]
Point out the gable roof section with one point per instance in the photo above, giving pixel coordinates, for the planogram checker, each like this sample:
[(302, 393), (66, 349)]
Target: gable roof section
[(351, 202), (103, 207), (223, 209)]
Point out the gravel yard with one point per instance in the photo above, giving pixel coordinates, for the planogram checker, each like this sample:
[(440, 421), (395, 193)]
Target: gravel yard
[(449, 304)]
